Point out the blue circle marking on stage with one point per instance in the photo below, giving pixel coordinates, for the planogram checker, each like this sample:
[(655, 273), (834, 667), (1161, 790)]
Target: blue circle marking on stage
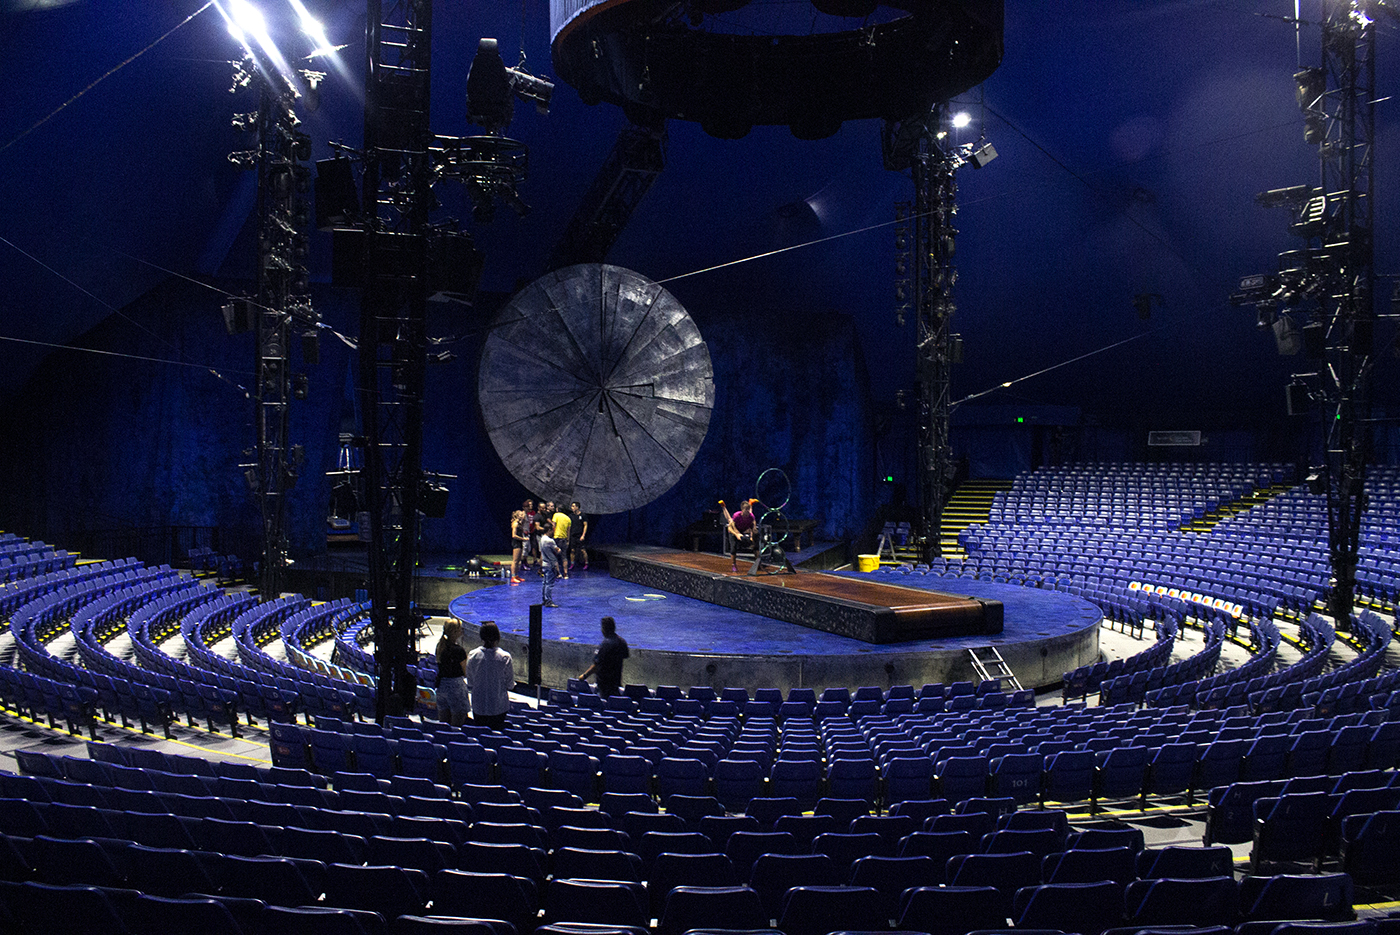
[(683, 625)]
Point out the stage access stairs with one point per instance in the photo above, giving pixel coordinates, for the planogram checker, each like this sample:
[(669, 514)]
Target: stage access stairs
[(988, 664), (969, 505), (1260, 496)]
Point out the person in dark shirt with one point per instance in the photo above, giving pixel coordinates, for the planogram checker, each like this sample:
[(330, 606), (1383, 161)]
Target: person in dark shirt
[(453, 702), (607, 661)]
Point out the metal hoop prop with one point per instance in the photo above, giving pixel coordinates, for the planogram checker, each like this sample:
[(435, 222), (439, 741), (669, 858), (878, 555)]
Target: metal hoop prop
[(783, 485)]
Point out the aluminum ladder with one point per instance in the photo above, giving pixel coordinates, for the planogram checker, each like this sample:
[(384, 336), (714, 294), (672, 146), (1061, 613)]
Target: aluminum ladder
[(988, 664)]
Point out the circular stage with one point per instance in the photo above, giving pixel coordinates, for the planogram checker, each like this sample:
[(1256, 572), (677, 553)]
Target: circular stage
[(680, 641)]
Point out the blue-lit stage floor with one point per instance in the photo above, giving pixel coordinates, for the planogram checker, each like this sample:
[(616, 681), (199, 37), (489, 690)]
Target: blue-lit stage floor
[(679, 641)]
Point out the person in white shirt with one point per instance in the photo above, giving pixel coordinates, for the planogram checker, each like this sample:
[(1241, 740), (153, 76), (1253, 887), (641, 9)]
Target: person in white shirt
[(490, 677)]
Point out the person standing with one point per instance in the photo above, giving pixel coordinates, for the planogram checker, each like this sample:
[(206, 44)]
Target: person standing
[(562, 525), (607, 660), (742, 528), (453, 703), (578, 532), (491, 676), (552, 559), (519, 539)]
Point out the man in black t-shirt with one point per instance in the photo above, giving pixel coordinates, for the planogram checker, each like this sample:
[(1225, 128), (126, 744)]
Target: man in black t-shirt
[(607, 661)]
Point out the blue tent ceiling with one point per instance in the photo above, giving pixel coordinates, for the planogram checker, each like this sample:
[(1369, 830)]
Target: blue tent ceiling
[(1132, 135)]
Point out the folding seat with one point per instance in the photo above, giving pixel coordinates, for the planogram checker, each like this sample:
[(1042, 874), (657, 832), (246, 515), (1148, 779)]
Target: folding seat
[(654, 843), (852, 779), (1230, 811), (578, 863), (978, 824), (737, 781), (721, 907), (891, 829), (423, 758), (921, 810), (1085, 908), (638, 823), (1171, 769), (575, 772), (1006, 872), (326, 846), (230, 837), (1325, 897), (518, 860), (681, 776), (805, 828), (520, 767), (389, 890), (908, 778), (1219, 764), (77, 821), (719, 828), (1383, 751), (1069, 776), (22, 818), (843, 811), (1200, 902), (1090, 866), (816, 910), (1266, 758), (799, 779), (1120, 773), (1290, 828), (1347, 749), (63, 861), (891, 876), (745, 847), (330, 750), (597, 901), (1370, 847), (153, 913), (617, 804), (1017, 775), (845, 849), (670, 870), (767, 809), (692, 808), (85, 910), (275, 880), (1185, 862), (951, 910), (1041, 842), (501, 896)]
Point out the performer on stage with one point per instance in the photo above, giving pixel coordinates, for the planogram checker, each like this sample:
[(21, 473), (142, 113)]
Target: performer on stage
[(742, 527), (578, 533), (520, 539)]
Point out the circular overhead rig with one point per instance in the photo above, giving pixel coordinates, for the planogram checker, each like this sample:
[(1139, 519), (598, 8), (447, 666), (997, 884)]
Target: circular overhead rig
[(596, 386), (730, 65)]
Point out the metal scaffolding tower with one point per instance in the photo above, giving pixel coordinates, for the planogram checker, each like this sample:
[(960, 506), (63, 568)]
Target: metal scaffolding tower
[(1322, 299), (925, 240), (283, 296), (397, 200)]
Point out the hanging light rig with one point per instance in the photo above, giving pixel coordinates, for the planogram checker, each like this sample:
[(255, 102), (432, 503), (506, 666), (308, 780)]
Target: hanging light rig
[(280, 155)]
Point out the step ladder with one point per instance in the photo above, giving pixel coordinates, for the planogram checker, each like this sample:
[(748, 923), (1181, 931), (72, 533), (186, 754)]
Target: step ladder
[(886, 544), (988, 664)]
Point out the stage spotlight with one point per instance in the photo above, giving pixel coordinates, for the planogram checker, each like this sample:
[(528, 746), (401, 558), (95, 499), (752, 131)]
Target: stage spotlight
[(1311, 86), (961, 119), (983, 155), (489, 102), (529, 87)]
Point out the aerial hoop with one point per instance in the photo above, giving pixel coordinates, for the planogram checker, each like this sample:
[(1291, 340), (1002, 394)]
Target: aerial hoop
[(771, 487)]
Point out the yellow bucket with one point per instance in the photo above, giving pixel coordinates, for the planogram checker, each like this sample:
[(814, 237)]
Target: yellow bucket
[(867, 562)]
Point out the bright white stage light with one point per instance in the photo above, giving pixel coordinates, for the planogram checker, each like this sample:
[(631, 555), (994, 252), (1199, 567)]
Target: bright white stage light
[(245, 20), (961, 119), (313, 29)]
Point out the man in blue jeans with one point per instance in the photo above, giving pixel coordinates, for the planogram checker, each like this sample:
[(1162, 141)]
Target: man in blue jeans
[(553, 561)]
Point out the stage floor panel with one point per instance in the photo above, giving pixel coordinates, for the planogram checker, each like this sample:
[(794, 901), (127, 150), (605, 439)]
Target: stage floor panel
[(677, 640)]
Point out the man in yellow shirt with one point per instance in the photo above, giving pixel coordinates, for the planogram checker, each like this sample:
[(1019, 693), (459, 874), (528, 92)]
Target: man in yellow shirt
[(562, 522)]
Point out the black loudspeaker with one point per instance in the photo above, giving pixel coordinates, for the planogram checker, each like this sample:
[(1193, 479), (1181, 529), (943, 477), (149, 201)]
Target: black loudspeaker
[(240, 315), (536, 650), (454, 267), (432, 500), (1299, 401), (337, 198), (1315, 340), (310, 349)]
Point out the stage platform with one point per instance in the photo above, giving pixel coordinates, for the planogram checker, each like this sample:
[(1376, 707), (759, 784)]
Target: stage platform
[(870, 609), (677, 640)]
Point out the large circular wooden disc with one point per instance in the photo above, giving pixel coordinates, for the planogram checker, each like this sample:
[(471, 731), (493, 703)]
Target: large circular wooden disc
[(596, 386)]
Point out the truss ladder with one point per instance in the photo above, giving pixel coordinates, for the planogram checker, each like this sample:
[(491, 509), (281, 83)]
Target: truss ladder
[(988, 664)]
